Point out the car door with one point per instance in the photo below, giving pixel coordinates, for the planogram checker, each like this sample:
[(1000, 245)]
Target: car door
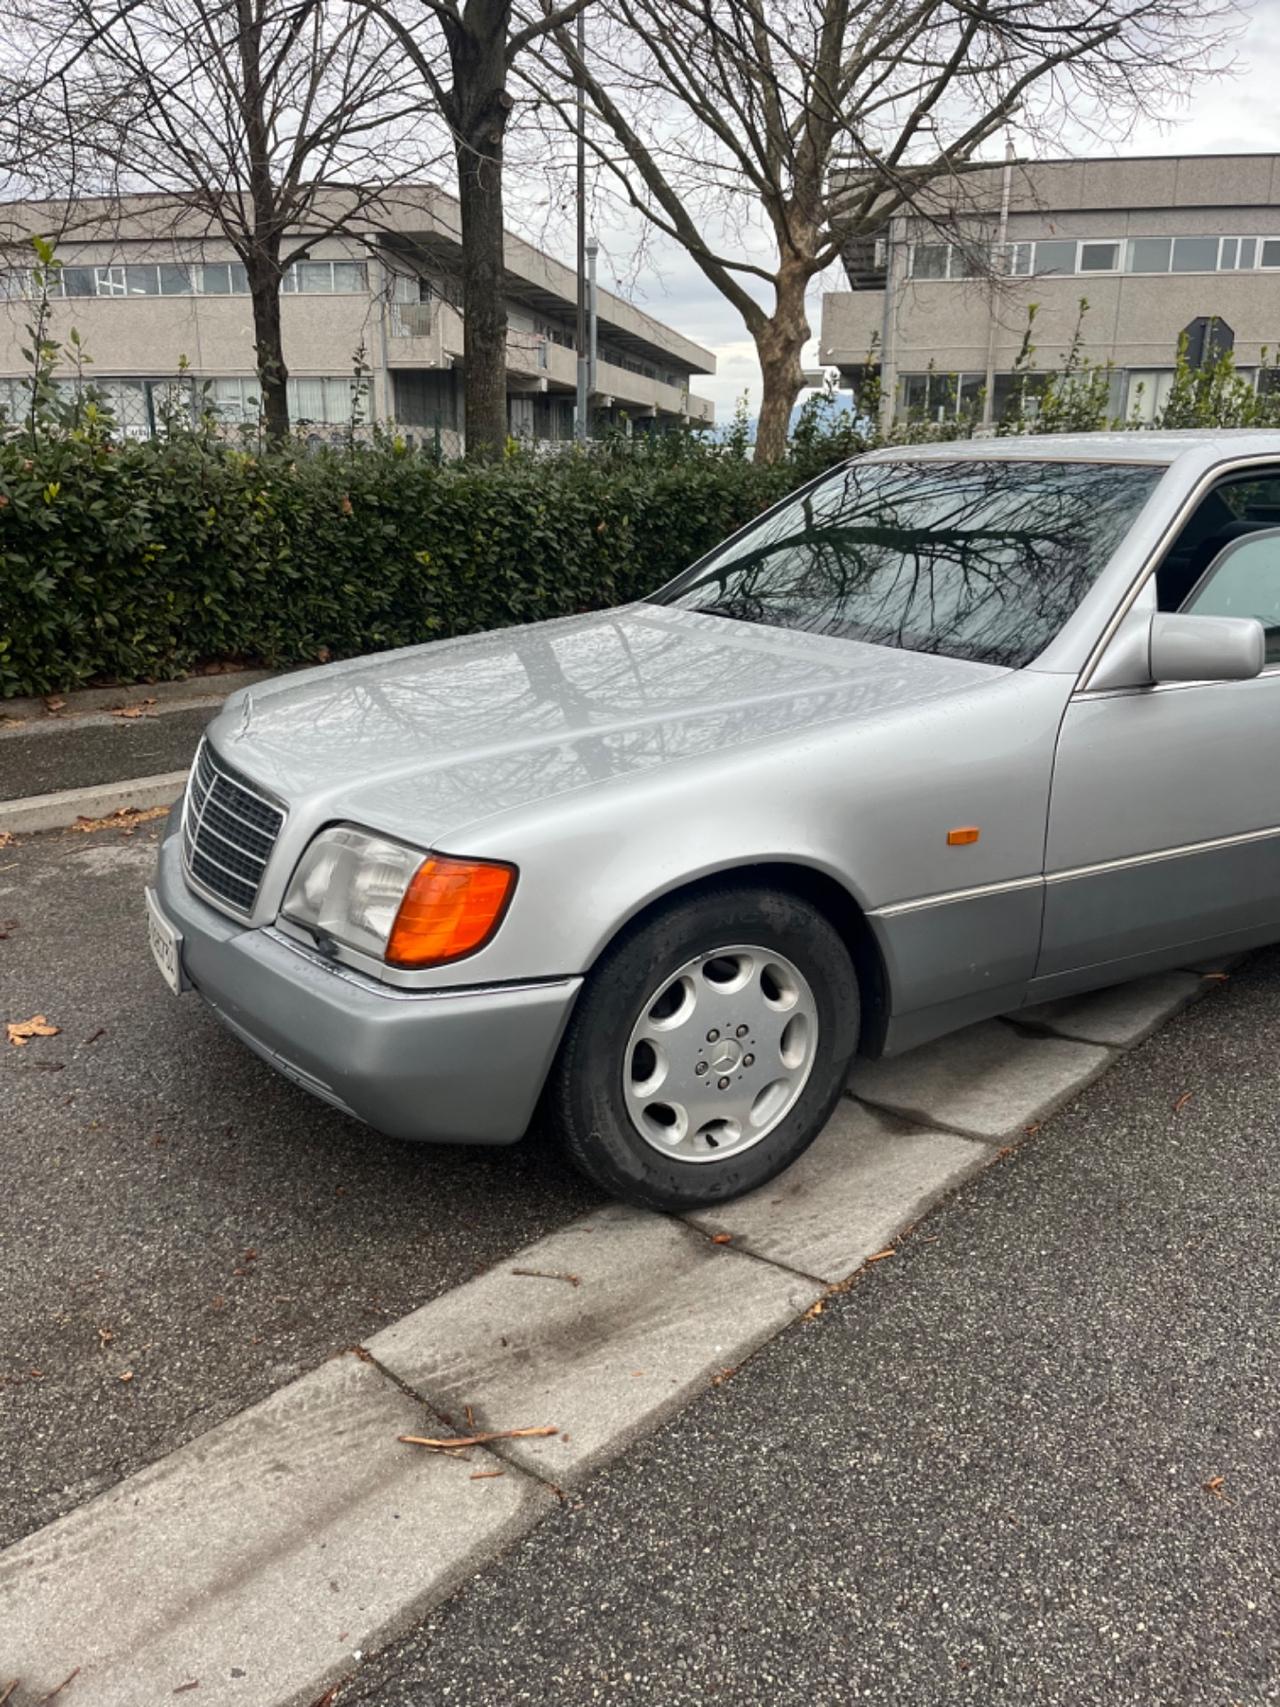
[(1164, 818)]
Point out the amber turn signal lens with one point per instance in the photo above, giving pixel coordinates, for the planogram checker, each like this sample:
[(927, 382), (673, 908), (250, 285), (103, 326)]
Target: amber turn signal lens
[(964, 837), (451, 908)]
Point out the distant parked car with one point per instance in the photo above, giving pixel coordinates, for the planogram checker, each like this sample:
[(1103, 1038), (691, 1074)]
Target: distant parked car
[(950, 730)]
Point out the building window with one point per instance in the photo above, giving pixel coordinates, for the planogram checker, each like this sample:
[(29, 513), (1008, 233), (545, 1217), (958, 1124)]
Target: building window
[(324, 401), (1195, 254), (1059, 257), (1146, 394), (1018, 259), (929, 260), (223, 278), (1149, 254), (326, 278)]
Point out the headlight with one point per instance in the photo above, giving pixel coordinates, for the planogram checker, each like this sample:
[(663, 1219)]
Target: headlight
[(394, 902)]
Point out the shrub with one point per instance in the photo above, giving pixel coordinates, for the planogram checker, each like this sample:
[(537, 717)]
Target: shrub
[(139, 560)]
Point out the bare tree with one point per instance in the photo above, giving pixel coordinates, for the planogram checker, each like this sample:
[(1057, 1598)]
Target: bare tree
[(464, 54), (273, 123), (767, 135)]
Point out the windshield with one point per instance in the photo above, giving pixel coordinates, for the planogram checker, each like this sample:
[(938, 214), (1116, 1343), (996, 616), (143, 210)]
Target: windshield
[(979, 560)]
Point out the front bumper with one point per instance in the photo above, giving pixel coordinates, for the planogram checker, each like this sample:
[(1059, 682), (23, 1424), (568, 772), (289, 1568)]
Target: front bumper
[(462, 1066)]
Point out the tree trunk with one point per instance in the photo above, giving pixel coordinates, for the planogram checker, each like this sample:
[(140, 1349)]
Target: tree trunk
[(479, 119), (262, 261), (484, 306), (779, 343), (268, 341)]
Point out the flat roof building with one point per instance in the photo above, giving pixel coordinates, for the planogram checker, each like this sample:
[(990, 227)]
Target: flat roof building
[(1154, 244), (159, 299)]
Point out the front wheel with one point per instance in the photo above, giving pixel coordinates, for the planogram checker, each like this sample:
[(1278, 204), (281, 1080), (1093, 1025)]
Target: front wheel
[(708, 1048)]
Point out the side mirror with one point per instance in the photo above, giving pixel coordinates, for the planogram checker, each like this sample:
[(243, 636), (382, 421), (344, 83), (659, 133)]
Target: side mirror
[(1206, 648), (1163, 646)]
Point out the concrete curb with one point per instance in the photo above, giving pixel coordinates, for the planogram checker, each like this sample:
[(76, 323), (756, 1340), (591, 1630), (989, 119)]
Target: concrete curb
[(263, 1559), (61, 810)]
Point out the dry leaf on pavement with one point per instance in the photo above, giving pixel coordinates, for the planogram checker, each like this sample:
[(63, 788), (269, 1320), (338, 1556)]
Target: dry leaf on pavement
[(142, 709), (22, 1031), (124, 818), (7, 838)]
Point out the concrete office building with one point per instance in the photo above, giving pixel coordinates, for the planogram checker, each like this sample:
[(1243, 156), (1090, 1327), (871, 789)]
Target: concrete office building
[(147, 289), (1154, 244)]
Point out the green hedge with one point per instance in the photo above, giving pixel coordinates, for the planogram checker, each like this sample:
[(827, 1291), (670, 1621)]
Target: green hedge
[(138, 561)]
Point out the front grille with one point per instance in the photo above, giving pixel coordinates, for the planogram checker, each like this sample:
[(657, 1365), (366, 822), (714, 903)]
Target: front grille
[(228, 832)]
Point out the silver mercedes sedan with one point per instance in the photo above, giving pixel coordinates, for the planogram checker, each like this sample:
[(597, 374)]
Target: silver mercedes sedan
[(950, 730)]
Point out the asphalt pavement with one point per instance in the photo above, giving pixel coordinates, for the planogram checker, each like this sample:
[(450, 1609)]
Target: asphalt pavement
[(1032, 1457), (40, 755), (182, 1230)]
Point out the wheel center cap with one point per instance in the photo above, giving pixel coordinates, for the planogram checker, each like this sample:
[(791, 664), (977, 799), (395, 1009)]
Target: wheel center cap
[(724, 1056)]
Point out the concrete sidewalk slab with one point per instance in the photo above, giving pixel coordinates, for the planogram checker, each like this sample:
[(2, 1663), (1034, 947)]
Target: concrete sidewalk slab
[(59, 811), (1121, 1017), (988, 1081), (257, 1560), (861, 1184), (651, 1311)]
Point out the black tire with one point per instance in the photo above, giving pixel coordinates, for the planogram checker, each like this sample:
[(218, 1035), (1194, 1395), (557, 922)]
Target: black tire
[(584, 1098)]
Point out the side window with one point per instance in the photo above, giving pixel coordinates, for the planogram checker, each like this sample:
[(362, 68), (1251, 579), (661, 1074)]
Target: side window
[(1238, 507), (1244, 580)]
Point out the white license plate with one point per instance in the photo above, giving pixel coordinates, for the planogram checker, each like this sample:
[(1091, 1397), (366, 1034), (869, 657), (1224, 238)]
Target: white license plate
[(166, 945)]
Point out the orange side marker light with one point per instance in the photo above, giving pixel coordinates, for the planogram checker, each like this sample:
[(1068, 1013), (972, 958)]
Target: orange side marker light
[(964, 836), (451, 908)]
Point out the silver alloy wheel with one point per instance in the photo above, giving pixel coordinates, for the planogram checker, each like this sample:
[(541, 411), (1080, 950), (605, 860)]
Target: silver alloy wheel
[(720, 1053)]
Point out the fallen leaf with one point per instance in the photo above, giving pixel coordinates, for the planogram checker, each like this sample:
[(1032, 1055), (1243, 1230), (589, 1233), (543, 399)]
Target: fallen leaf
[(22, 1031), (722, 1238), (1214, 1485), (54, 704), (124, 818), (105, 1335), (814, 1310), (548, 1274), (721, 1376), (1032, 1129), (126, 1376), (6, 838), (1181, 1102), (135, 710)]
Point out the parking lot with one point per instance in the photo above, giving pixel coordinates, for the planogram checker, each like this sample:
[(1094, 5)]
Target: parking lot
[(184, 1231)]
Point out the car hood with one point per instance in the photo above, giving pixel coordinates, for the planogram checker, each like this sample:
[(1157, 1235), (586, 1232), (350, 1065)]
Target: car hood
[(427, 740)]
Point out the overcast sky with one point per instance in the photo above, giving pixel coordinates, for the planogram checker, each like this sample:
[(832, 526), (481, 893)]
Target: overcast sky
[(1239, 113)]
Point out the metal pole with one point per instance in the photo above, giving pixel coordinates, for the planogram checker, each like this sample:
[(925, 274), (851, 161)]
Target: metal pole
[(593, 249), (993, 288), (888, 329), (580, 416)]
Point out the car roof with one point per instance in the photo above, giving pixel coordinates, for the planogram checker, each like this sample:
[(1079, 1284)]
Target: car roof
[(1161, 447)]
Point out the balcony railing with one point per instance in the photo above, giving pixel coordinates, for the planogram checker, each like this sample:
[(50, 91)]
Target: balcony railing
[(412, 319)]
